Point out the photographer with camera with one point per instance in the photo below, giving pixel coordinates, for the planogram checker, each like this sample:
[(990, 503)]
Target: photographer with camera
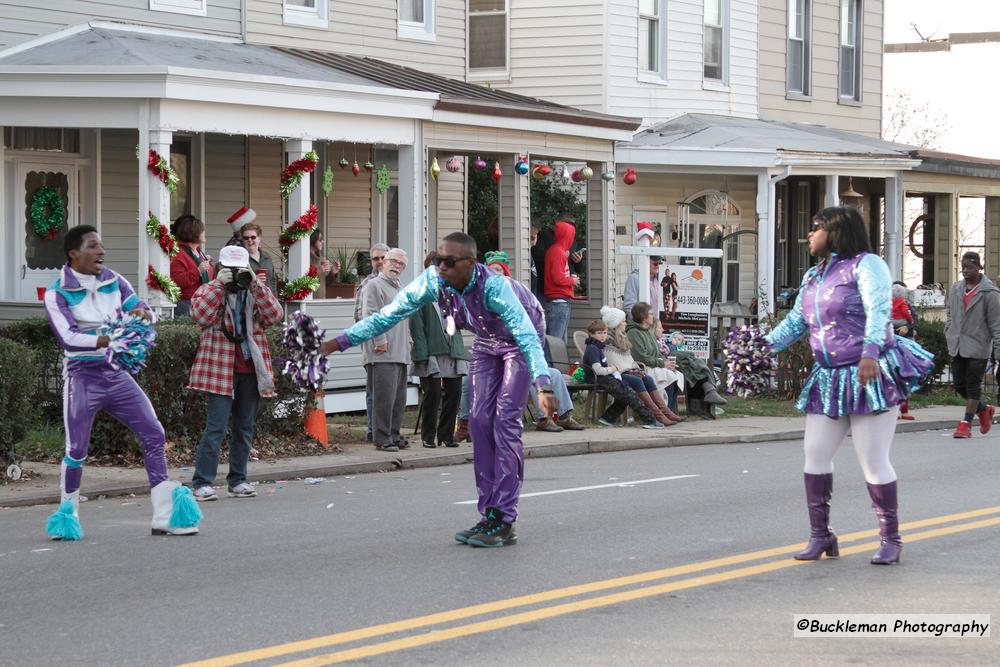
[(232, 365)]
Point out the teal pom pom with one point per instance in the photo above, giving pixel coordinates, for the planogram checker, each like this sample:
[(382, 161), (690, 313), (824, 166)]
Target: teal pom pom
[(186, 512), (63, 524)]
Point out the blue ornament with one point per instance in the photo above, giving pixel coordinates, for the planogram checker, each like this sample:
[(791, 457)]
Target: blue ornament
[(521, 167)]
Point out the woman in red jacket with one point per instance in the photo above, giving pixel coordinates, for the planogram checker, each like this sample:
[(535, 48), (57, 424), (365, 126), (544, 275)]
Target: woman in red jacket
[(191, 268)]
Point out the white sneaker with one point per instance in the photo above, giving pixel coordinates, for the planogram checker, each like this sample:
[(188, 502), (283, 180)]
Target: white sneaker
[(205, 493), (242, 490)]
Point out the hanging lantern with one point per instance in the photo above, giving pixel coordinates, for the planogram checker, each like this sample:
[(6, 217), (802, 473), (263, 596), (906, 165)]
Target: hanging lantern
[(522, 166), (479, 163), (497, 174), (435, 168), (629, 177), (453, 164), (586, 173), (608, 175), (369, 166), (851, 198), (344, 164), (565, 175), (576, 176), (355, 169)]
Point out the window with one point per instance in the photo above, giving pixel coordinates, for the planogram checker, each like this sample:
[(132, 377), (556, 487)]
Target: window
[(309, 13), (51, 139), (416, 19), (714, 41), (196, 7), (799, 29), (652, 49), (850, 49), (180, 162), (713, 219), (487, 32)]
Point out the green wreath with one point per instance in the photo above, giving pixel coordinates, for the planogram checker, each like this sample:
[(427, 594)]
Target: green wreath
[(47, 226)]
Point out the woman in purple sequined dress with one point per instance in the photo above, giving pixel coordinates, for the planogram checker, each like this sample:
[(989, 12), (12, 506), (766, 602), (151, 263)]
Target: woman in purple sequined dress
[(862, 373)]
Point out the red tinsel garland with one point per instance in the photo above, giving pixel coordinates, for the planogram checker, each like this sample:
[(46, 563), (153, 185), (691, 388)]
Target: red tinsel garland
[(304, 166), (310, 284), (166, 241), (299, 229)]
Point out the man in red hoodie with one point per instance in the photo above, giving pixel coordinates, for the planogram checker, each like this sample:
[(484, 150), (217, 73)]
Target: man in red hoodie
[(558, 282)]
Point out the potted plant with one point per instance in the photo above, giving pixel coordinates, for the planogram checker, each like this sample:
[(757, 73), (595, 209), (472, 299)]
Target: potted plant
[(345, 280)]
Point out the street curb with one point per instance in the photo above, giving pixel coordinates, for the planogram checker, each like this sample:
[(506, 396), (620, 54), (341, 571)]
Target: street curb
[(459, 458)]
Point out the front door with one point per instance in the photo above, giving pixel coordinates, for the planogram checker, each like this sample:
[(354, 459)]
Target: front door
[(40, 255)]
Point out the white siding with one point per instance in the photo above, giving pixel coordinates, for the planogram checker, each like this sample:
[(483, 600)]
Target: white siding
[(22, 21), (823, 107), (349, 206), (663, 191), (266, 163), (119, 201), (450, 194), (556, 51), (368, 29), (225, 187), (683, 90)]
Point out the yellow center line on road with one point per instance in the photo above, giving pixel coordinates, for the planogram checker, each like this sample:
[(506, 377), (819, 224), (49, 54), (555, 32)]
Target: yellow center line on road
[(544, 613), (465, 613)]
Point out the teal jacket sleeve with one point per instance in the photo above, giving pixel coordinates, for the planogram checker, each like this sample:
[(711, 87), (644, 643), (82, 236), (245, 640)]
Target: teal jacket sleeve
[(422, 290), (502, 300), (875, 288), (793, 326)]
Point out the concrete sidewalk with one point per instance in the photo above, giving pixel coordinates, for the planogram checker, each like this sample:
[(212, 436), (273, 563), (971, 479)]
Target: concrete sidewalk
[(363, 458)]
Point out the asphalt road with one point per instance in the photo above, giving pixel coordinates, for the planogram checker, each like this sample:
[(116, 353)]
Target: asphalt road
[(613, 575)]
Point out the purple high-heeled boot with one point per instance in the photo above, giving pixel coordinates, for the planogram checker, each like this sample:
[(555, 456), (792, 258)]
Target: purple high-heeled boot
[(819, 489), (884, 503)]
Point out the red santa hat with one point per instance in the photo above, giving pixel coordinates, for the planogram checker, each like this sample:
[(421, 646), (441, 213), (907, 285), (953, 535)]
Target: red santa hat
[(645, 230), (242, 217)]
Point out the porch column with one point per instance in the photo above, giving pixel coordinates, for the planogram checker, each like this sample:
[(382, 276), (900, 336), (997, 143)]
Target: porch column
[(765, 245), (515, 217), (831, 192), (945, 238), (413, 168), (992, 258), (894, 226), (609, 271), (154, 199), (297, 204)]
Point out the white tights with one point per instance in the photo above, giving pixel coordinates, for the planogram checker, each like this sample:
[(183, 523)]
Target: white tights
[(872, 435)]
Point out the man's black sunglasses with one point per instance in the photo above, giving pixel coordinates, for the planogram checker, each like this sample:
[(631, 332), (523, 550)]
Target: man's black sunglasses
[(450, 261)]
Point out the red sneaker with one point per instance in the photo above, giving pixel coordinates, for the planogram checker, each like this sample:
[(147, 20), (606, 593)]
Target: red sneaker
[(964, 430), (907, 416), (986, 419)]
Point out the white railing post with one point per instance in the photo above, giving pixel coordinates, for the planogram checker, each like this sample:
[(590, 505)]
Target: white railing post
[(298, 203)]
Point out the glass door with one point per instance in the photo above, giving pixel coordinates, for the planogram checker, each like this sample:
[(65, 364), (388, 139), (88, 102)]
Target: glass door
[(46, 207)]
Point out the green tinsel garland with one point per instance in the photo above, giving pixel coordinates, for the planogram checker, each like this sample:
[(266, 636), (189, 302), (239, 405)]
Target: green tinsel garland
[(159, 281), (47, 226)]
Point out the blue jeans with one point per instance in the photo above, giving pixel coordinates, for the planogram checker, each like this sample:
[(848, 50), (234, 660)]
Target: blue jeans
[(463, 405), (557, 319), (558, 381), (639, 384), (370, 433), (243, 409)]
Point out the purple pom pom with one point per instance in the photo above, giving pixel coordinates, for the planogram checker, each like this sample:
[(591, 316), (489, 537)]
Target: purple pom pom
[(306, 367)]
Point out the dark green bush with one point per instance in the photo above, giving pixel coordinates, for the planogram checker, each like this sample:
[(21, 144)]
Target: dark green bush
[(181, 411), (18, 410), (930, 334), (46, 387)]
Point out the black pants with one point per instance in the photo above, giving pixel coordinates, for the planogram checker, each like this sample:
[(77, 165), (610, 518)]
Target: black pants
[(624, 397), (434, 389), (967, 375)]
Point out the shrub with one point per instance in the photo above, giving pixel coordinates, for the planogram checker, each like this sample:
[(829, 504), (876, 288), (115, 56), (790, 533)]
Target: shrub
[(18, 410), (165, 378), (46, 386), (930, 335)]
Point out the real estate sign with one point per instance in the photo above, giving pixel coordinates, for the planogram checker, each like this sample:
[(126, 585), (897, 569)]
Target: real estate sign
[(687, 308)]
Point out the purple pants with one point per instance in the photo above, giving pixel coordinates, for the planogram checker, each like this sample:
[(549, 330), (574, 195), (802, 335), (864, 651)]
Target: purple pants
[(499, 380), (90, 387)]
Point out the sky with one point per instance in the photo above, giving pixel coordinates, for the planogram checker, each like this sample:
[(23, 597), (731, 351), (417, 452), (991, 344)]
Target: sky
[(951, 84)]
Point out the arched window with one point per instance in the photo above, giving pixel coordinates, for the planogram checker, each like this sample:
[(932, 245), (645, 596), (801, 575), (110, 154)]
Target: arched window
[(709, 218)]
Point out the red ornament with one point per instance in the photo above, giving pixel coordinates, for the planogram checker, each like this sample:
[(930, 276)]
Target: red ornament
[(355, 169), (344, 164), (576, 176), (629, 177), (497, 174)]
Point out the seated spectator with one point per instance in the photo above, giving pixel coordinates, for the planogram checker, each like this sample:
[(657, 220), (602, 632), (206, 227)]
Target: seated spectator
[(564, 420), (191, 267), (646, 350), (634, 375), (597, 370)]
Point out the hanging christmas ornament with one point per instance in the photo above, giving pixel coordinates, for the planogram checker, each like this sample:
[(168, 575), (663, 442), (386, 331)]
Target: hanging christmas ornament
[(369, 166), (586, 173), (536, 172), (629, 177), (576, 176), (545, 169), (565, 175), (608, 175), (327, 181), (453, 164), (497, 174), (522, 166), (480, 163), (435, 168), (382, 179), (344, 164), (355, 169)]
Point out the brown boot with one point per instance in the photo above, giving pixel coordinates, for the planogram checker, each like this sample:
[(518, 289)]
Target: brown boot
[(548, 425), (664, 408), (462, 432), (570, 424), (650, 404)]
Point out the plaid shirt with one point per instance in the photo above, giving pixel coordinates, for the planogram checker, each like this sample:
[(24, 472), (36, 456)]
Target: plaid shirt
[(212, 371)]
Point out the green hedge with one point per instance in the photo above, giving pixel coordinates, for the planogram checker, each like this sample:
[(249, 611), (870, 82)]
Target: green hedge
[(181, 411), (18, 409), (930, 334)]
